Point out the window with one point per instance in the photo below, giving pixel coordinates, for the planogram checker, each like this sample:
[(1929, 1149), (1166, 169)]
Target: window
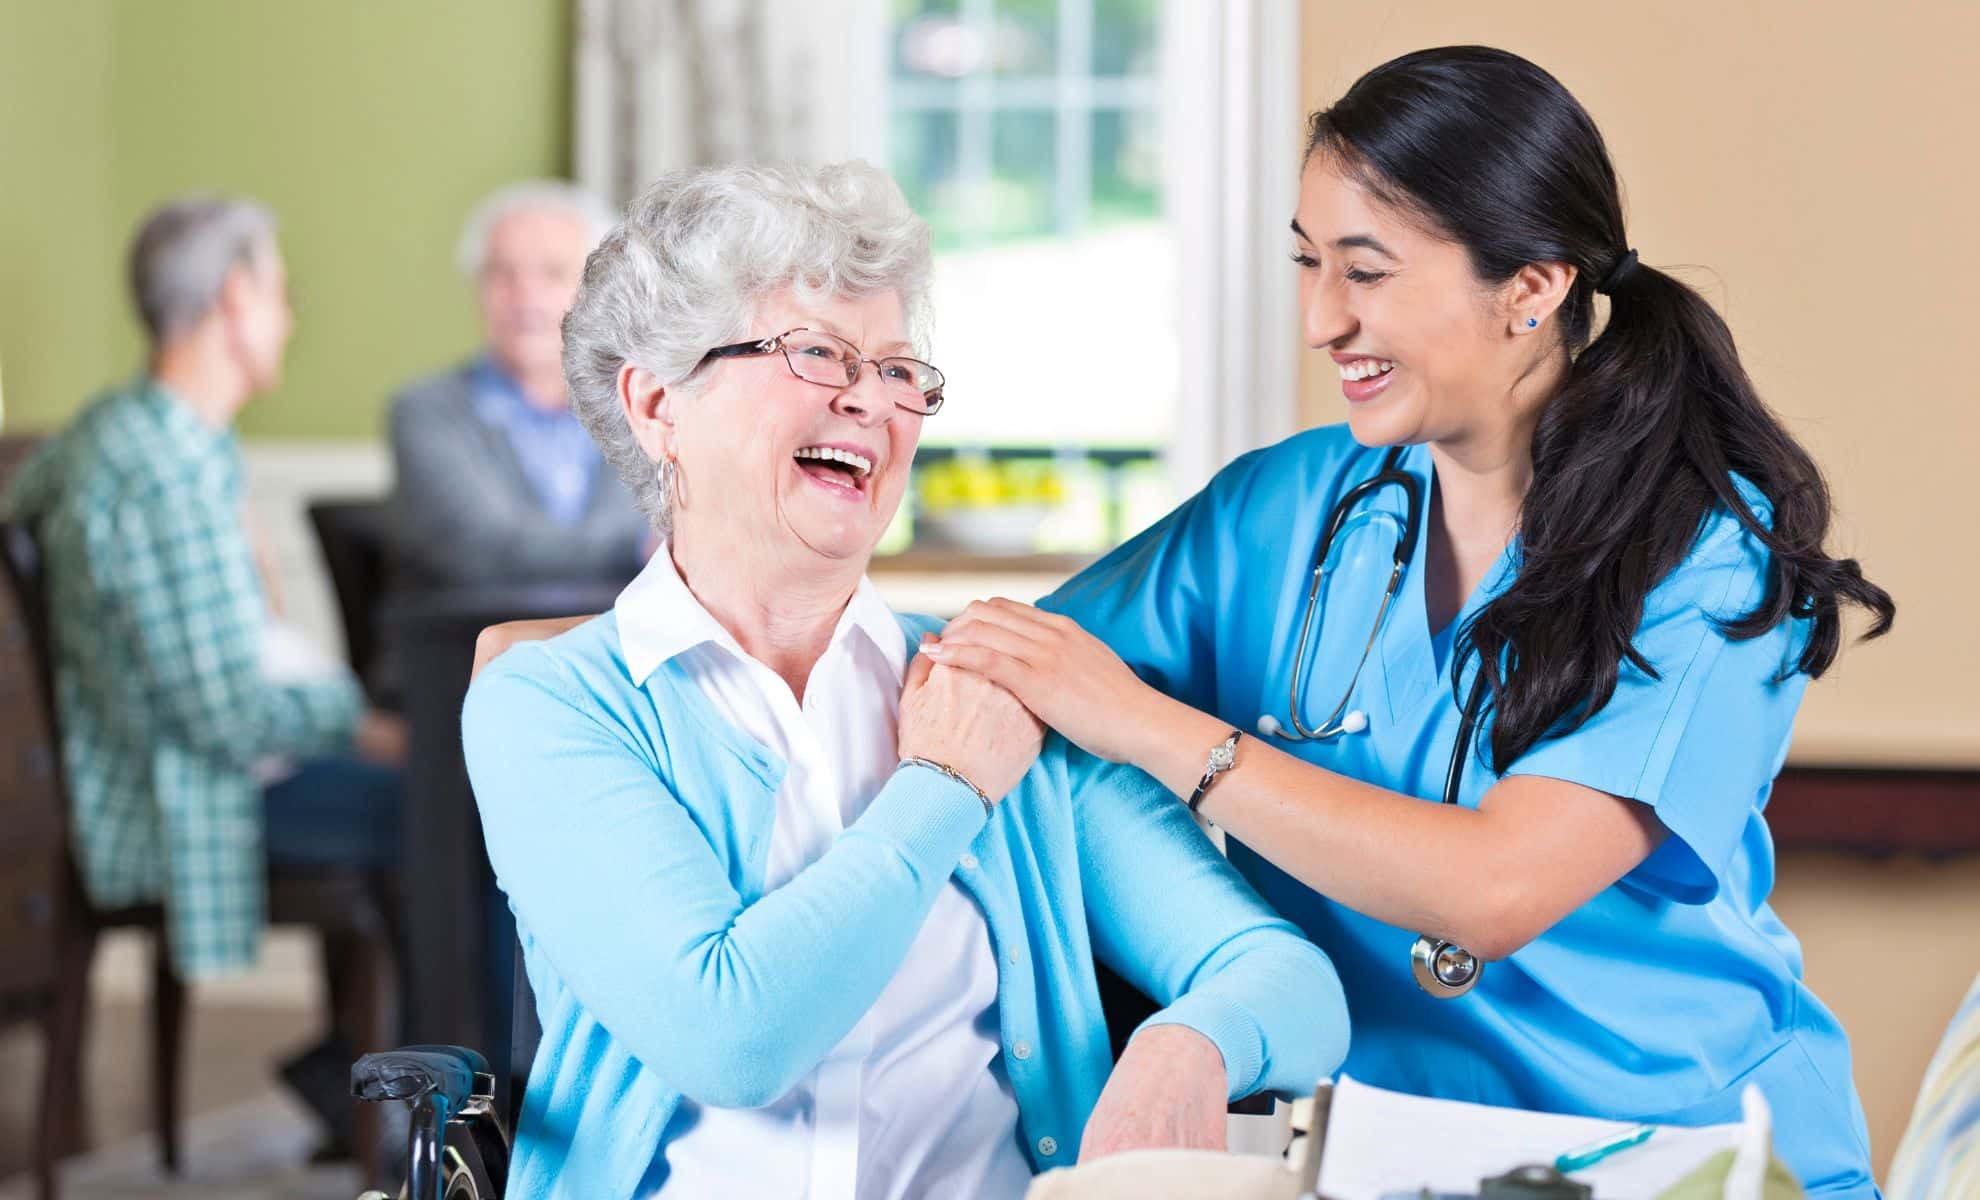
[(1030, 134)]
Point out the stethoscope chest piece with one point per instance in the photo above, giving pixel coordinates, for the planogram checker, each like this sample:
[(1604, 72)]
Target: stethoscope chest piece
[(1444, 969)]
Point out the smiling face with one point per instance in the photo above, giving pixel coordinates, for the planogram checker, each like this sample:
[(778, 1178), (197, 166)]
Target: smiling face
[(785, 472), (1425, 350), (534, 259)]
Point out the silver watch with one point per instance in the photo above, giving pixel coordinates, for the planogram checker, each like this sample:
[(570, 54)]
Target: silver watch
[(1223, 756)]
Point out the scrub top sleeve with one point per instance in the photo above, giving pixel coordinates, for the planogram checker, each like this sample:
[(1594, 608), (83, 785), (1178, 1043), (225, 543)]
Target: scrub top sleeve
[(1701, 742), (1154, 600)]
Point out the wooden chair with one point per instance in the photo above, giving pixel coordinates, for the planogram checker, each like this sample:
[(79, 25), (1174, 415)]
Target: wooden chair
[(349, 909)]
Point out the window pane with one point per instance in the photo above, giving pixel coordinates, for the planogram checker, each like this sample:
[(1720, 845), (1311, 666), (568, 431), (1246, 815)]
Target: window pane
[(1124, 37), (932, 42), (1018, 200), (1026, 41), (1127, 168), (925, 162), (1059, 341)]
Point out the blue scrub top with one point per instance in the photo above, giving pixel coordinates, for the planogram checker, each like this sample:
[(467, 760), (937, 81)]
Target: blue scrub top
[(1662, 997)]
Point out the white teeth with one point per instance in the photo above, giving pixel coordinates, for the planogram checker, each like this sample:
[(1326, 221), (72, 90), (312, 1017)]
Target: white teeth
[(1365, 368), (858, 462)]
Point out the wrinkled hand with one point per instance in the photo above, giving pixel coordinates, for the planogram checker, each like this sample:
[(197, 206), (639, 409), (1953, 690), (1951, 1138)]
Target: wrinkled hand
[(1072, 680), (969, 724), (1167, 1092), (382, 738)]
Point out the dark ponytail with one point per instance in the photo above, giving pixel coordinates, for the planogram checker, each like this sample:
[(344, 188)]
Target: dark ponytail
[(1656, 415)]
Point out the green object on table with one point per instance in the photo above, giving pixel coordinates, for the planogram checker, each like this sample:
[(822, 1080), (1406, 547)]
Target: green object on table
[(1708, 1182)]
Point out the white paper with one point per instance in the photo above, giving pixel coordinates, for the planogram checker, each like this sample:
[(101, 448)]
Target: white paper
[(1380, 1142), (289, 657)]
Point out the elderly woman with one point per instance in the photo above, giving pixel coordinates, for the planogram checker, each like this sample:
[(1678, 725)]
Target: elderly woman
[(803, 916)]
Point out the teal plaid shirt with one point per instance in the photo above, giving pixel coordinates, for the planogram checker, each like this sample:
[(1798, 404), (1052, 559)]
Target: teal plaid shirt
[(158, 618)]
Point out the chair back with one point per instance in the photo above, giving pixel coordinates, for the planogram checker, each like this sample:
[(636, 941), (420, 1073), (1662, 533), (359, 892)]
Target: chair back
[(20, 562), (33, 835), (356, 546), (525, 1034)]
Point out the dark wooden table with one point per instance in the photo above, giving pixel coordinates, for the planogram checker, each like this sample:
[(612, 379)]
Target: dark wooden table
[(459, 933)]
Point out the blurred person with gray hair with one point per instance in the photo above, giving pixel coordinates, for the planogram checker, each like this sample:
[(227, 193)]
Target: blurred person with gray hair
[(497, 480), (202, 743)]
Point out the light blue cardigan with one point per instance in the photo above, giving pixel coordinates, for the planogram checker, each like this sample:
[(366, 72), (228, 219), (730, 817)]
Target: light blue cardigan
[(628, 826)]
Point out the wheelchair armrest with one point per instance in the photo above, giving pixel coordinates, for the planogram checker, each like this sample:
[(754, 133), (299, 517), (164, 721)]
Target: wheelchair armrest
[(456, 1073)]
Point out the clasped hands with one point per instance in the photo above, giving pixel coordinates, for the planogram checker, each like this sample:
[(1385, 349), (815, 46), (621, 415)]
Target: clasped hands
[(978, 699)]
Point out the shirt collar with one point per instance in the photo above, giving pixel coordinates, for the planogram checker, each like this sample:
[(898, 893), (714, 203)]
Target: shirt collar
[(497, 396), (193, 437), (660, 619)]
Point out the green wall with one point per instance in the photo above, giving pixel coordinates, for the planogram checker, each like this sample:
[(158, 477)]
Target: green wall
[(58, 260), (369, 126)]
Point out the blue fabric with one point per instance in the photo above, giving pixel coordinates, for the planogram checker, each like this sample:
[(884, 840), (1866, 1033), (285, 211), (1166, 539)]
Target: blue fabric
[(629, 827), (557, 456), (1665, 994), (1440, 645), (335, 812)]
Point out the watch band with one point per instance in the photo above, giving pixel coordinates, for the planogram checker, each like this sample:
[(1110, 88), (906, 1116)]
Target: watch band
[(1223, 756)]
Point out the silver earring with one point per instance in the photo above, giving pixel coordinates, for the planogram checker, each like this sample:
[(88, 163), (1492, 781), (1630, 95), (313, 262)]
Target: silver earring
[(672, 483)]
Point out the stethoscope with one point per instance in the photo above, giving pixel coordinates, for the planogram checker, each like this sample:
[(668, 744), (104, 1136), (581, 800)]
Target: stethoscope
[(1442, 968)]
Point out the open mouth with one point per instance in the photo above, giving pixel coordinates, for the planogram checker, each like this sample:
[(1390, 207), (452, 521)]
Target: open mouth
[(1363, 379), (830, 466)]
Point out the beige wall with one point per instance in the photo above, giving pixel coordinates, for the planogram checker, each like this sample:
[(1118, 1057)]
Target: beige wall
[(1890, 947), (1821, 171)]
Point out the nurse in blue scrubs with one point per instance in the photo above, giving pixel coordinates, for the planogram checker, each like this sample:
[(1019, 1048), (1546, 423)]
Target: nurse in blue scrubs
[(1616, 547)]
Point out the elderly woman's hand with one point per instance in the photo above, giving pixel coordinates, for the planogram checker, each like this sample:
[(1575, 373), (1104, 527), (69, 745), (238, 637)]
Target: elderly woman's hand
[(968, 724), (1167, 1092), (1072, 680)]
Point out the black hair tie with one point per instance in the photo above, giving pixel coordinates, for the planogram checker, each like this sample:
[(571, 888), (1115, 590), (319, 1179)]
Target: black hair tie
[(1624, 267)]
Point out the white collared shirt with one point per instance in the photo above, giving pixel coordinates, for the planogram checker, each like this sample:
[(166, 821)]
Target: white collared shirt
[(913, 1101)]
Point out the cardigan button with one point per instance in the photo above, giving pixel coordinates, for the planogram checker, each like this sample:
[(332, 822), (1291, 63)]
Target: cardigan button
[(1047, 1147), (969, 862), (1021, 1051)]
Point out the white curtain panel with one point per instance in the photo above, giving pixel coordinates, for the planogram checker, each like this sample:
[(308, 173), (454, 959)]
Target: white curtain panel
[(665, 84), (1233, 128)]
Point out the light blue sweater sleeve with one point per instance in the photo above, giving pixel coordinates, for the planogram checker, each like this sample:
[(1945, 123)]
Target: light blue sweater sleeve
[(731, 1003), (1172, 917)]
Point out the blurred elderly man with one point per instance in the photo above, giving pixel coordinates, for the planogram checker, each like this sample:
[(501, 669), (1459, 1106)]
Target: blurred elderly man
[(497, 481), (175, 688)]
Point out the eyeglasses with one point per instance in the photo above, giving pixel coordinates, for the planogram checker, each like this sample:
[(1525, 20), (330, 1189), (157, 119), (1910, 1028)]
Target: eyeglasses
[(827, 359)]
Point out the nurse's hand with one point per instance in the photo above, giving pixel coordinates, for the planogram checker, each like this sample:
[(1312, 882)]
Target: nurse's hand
[(1167, 1092), (1071, 679)]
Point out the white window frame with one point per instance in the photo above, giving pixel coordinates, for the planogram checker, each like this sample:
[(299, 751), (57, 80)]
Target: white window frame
[(1233, 128)]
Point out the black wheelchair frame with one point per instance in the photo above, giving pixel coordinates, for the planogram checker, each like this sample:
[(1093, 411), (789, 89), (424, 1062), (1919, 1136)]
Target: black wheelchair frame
[(458, 1149)]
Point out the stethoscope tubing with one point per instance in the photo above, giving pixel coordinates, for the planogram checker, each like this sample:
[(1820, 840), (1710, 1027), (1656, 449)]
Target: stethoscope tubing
[(1442, 968)]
